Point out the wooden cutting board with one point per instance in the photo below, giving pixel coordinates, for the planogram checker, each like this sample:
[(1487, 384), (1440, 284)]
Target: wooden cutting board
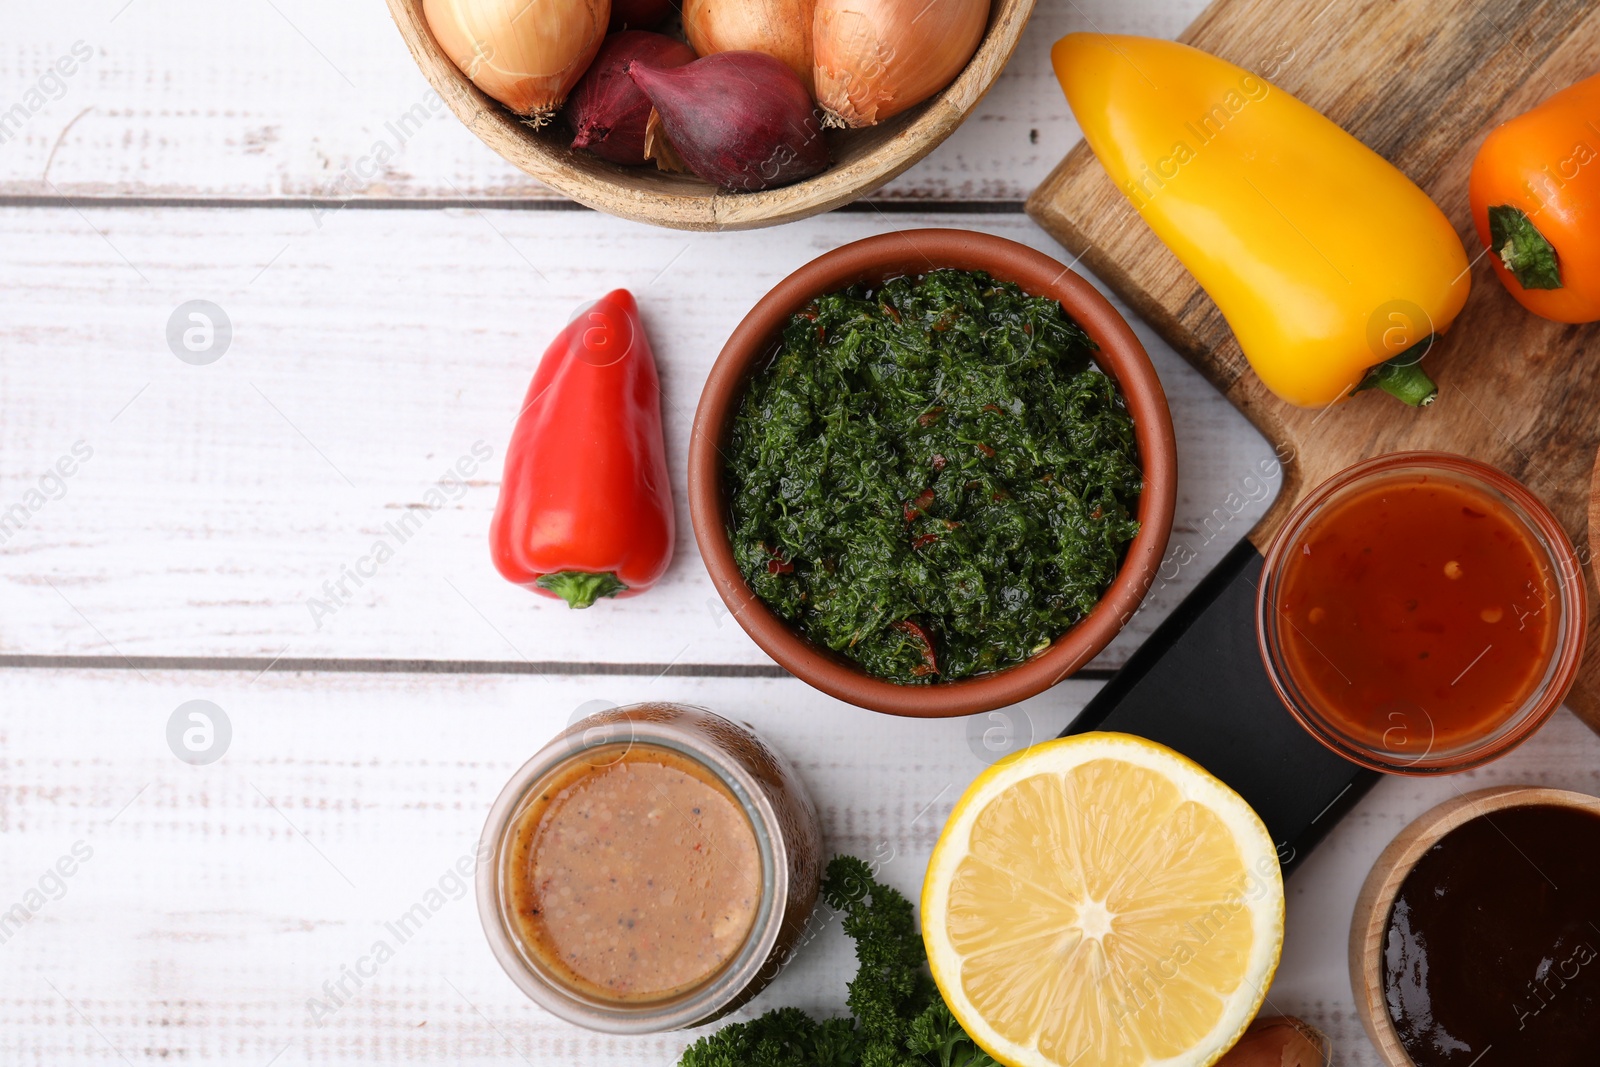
[(1421, 82)]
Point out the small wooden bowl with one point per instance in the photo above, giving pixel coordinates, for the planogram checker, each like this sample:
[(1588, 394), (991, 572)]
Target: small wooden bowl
[(864, 160), (1371, 919), (874, 260)]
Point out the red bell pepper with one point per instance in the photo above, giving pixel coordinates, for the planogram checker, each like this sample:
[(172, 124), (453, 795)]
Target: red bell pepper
[(585, 508)]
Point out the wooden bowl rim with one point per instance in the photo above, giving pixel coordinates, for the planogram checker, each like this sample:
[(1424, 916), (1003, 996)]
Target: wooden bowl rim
[(1370, 918), (604, 186), (1120, 355)]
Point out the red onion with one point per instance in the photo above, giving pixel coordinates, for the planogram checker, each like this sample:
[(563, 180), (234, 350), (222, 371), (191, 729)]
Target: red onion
[(640, 14), (741, 120), (606, 109)]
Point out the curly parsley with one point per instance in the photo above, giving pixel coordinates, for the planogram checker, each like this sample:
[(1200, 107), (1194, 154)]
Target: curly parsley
[(898, 1019), (931, 477)]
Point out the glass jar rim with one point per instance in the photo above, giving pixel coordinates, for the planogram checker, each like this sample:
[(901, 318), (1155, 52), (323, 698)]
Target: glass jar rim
[(1557, 557), (698, 1004)]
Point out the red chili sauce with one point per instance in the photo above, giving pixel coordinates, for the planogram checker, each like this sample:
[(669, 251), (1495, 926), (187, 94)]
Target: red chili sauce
[(634, 875), (1416, 604)]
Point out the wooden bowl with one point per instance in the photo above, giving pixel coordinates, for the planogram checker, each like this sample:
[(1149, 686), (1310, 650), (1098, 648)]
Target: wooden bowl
[(864, 160), (874, 260), (1371, 918)]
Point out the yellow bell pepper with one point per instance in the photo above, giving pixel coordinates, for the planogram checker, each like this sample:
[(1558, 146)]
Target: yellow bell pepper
[(1333, 269)]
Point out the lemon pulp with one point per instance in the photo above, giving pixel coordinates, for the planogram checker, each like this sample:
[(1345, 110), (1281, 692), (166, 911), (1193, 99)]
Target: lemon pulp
[(1098, 909)]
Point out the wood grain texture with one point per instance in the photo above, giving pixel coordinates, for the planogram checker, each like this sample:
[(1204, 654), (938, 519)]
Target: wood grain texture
[(863, 160), (219, 899), (1421, 84), (372, 351), (1594, 513), (383, 345), (1370, 921), (301, 98)]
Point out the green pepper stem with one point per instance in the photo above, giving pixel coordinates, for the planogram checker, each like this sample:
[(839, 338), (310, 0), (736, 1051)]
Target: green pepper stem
[(580, 588), (1525, 252), (1402, 377)]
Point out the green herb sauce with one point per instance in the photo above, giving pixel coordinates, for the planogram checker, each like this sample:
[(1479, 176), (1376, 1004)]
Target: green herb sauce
[(932, 478)]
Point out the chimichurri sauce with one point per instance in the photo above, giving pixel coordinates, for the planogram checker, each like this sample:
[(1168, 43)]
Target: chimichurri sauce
[(932, 477)]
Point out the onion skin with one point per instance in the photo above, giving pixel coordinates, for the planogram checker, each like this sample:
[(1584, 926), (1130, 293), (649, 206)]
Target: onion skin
[(640, 14), (606, 110), (527, 54), (876, 58), (1279, 1041), (740, 120), (780, 28), (659, 149)]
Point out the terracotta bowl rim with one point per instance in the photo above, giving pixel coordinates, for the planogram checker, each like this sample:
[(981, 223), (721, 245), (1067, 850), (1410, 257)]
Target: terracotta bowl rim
[(1120, 355)]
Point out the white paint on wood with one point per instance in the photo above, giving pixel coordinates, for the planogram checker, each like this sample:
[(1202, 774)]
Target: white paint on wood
[(295, 98), (217, 904), (371, 352), (221, 898)]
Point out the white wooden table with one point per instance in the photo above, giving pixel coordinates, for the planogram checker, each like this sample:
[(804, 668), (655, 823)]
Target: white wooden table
[(388, 302)]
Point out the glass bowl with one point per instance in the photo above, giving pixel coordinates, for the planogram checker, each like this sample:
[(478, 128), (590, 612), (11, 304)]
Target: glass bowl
[(1410, 741)]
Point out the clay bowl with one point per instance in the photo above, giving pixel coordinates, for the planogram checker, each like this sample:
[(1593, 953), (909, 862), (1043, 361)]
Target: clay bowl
[(1371, 918), (864, 160), (872, 261)]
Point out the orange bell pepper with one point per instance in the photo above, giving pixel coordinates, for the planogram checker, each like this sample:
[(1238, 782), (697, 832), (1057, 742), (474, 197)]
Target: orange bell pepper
[(1535, 193)]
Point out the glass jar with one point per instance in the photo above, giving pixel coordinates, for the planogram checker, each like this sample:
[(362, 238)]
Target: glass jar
[(785, 861), (1404, 736)]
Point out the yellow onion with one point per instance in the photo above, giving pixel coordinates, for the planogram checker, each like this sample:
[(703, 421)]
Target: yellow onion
[(1280, 1041), (780, 28), (875, 58), (527, 54)]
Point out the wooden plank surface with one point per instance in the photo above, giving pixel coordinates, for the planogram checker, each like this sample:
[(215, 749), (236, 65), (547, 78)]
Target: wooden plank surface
[(219, 899), (1421, 84), (369, 357), (300, 98), (372, 350)]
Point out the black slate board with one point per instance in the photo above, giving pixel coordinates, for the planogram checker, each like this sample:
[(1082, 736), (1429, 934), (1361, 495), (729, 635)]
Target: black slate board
[(1198, 685)]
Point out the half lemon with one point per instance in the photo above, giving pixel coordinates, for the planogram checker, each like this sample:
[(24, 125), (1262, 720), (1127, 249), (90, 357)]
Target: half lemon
[(1102, 901)]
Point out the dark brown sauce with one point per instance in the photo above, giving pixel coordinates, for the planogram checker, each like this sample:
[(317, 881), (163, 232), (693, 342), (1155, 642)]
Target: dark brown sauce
[(1492, 955)]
